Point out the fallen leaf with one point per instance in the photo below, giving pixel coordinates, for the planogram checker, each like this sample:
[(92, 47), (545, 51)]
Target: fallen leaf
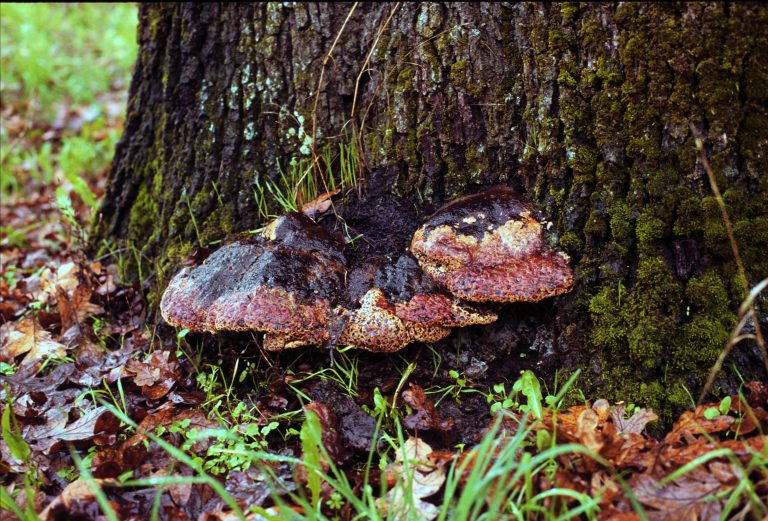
[(78, 491), (157, 375), (690, 425), (254, 486), (636, 423), (75, 308), (425, 415), (65, 277), (690, 496), (412, 472), (586, 427), (319, 204), (28, 337), (329, 423), (758, 394), (48, 437), (357, 427)]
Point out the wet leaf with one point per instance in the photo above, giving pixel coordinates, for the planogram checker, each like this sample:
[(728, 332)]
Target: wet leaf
[(693, 424), (319, 204), (413, 472), (636, 423), (425, 415), (64, 278), (329, 425), (48, 437), (691, 496), (157, 375), (28, 337), (79, 491)]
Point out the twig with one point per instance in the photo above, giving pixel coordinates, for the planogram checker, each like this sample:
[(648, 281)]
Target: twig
[(315, 157), (322, 73), (748, 296), (368, 58), (363, 69), (734, 338)]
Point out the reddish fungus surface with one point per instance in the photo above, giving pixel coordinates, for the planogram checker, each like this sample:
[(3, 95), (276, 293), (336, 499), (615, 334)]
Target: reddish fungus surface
[(375, 326), (400, 305), (293, 283), (280, 285), (488, 247), (437, 309)]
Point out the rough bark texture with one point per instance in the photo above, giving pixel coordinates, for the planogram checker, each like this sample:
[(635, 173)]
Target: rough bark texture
[(583, 108)]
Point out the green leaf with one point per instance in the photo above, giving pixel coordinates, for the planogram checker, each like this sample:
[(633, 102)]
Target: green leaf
[(269, 428), (7, 504), (711, 413), (725, 405), (64, 203), (16, 444), (379, 402), (310, 439), (543, 440), (531, 389)]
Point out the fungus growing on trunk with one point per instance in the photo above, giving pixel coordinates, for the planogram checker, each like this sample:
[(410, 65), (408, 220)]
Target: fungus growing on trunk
[(293, 282), (285, 284), (488, 247), (401, 305)]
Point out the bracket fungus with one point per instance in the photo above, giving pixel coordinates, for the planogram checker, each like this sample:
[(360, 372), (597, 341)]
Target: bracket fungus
[(488, 247), (403, 306), (295, 284), (284, 283)]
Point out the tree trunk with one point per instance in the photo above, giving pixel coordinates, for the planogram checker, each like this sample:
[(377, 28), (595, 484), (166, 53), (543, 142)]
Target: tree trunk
[(585, 109)]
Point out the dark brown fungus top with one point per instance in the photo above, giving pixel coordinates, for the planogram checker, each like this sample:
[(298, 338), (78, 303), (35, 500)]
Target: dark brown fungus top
[(488, 247), (285, 285)]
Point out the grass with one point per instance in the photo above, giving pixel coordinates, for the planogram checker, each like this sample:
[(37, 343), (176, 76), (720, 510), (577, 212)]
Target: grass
[(64, 69), (336, 168), (494, 478), (53, 52)]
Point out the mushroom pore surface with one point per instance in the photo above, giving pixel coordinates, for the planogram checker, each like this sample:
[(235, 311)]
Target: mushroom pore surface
[(400, 304)]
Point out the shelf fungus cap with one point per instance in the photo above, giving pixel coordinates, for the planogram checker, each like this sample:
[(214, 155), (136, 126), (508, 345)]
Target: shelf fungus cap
[(286, 290), (489, 247), (400, 305), (379, 325)]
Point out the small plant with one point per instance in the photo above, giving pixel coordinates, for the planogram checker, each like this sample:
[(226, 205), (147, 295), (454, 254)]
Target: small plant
[(722, 410), (344, 372), (455, 389), (305, 178), (64, 204), (499, 399), (194, 221)]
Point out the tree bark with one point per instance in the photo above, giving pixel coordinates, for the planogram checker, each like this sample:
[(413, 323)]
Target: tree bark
[(585, 109)]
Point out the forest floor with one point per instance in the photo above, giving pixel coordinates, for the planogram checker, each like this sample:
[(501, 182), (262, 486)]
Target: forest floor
[(107, 413)]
